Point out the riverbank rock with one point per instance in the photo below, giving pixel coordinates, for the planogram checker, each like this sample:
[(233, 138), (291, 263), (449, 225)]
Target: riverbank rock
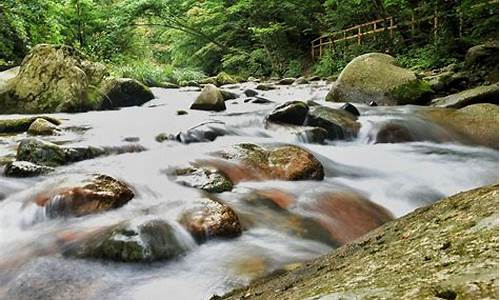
[(140, 242), (211, 218), (480, 94), (482, 61), (339, 123), (53, 78), (43, 127), (23, 124), (282, 162), (59, 78), (291, 112), (451, 247), (210, 98), (207, 179), (287, 81), (476, 124), (95, 194), (377, 77), (25, 169), (123, 92)]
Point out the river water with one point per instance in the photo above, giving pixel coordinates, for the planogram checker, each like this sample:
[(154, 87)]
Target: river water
[(399, 177)]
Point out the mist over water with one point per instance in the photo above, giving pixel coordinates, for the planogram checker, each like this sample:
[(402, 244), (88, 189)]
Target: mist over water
[(399, 177)]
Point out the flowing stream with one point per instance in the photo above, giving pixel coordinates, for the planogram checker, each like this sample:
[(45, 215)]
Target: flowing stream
[(399, 177)]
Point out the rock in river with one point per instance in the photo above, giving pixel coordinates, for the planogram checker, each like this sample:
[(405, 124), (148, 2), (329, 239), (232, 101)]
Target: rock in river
[(339, 123), (25, 169), (42, 127), (281, 162), (211, 218), (210, 98), (481, 94), (207, 179), (94, 194), (377, 77), (291, 112), (122, 92), (143, 241)]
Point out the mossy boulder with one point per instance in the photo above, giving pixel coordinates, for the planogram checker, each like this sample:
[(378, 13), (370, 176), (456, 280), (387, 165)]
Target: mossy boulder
[(210, 98), (40, 152), (53, 78), (482, 61), (339, 123), (377, 77), (25, 169), (223, 78), (210, 218), (207, 179), (123, 92), (475, 124), (93, 194), (445, 251), (291, 112), (480, 94), (22, 124), (133, 241), (59, 78), (43, 127)]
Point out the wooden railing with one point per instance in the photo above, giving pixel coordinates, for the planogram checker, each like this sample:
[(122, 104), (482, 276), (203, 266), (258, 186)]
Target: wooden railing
[(389, 24)]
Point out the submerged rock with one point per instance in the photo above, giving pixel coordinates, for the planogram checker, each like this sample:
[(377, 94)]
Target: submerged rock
[(377, 77), (456, 238), (393, 132), (211, 219), (42, 127), (291, 112), (210, 98), (207, 179), (25, 169), (250, 93), (283, 162), (204, 132), (304, 134), (147, 241), (481, 94)]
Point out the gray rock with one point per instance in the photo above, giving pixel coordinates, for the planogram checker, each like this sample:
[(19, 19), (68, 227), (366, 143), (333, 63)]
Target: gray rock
[(481, 94), (25, 169), (210, 98)]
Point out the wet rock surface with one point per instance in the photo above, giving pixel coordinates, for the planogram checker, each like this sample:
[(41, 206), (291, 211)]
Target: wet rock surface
[(210, 218), (94, 194), (206, 179)]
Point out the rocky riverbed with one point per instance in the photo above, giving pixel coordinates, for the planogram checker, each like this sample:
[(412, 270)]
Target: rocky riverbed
[(203, 190)]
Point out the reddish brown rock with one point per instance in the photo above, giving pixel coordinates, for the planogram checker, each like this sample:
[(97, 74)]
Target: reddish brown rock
[(347, 216), (252, 162), (209, 219), (95, 194)]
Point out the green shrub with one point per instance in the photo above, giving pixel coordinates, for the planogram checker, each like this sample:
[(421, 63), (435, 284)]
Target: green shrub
[(148, 73), (294, 69)]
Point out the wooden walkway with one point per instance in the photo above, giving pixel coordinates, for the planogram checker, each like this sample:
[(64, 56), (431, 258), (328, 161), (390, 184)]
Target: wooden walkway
[(359, 32)]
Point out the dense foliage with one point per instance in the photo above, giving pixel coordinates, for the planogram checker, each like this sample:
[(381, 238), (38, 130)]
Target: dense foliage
[(183, 39)]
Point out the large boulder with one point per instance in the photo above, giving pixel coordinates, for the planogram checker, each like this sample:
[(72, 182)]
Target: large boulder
[(53, 78), (377, 77), (211, 218), (451, 246), (281, 162), (123, 92), (210, 98), (482, 60), (339, 123), (143, 241), (94, 194), (291, 112), (59, 78), (480, 94), (475, 124)]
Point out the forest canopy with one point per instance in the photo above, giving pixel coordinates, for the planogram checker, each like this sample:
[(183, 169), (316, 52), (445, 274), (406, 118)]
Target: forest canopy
[(246, 37)]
